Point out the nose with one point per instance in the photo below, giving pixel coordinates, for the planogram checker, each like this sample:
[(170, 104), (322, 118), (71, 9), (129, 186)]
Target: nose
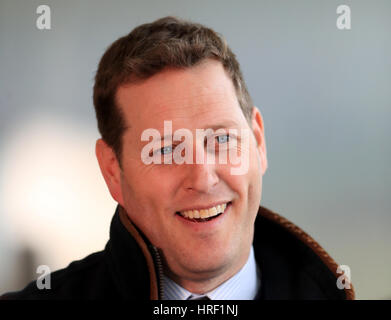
[(201, 177)]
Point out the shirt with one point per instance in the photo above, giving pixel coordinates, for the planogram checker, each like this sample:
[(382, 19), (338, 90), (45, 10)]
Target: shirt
[(244, 285)]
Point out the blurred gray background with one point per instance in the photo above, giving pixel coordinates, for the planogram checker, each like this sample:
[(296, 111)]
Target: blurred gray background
[(324, 94)]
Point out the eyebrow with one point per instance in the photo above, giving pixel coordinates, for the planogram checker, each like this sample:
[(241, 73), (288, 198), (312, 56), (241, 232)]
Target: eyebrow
[(223, 125)]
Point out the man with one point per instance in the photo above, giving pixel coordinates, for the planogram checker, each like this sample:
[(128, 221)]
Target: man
[(187, 228)]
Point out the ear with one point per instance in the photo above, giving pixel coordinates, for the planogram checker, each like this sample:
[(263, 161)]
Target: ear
[(111, 171), (259, 133)]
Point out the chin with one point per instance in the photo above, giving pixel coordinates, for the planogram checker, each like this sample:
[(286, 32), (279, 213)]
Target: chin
[(210, 261), (208, 268)]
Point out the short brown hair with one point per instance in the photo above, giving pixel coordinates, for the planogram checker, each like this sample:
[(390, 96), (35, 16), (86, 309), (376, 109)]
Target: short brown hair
[(148, 49)]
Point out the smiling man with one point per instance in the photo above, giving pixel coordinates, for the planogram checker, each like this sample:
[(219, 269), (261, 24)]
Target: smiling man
[(198, 253), (187, 229)]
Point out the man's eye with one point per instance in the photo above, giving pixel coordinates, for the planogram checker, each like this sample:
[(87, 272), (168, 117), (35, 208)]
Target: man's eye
[(165, 150), (223, 138)]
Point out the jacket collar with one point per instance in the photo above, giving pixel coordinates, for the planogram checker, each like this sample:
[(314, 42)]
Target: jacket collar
[(293, 265), (129, 256)]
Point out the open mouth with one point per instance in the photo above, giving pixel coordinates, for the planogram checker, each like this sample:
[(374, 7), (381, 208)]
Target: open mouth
[(204, 215)]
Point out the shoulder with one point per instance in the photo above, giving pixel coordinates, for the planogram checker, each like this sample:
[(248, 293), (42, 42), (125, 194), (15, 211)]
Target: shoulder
[(83, 279), (293, 265)]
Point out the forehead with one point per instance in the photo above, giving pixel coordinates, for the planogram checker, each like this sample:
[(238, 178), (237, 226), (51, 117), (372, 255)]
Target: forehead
[(188, 97)]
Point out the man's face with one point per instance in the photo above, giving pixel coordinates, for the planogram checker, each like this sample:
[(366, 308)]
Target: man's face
[(196, 98)]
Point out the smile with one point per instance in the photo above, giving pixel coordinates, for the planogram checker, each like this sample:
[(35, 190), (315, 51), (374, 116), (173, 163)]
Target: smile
[(204, 215)]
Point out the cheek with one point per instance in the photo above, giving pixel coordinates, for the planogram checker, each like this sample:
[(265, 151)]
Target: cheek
[(148, 192), (255, 166), (249, 185), (142, 205), (143, 192)]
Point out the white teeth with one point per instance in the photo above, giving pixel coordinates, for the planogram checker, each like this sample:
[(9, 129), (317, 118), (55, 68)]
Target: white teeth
[(212, 212), (204, 213), (196, 214)]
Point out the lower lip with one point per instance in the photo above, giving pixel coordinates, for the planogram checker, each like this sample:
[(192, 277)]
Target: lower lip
[(205, 224)]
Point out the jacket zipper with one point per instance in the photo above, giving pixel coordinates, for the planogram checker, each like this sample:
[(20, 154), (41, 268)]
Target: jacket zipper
[(158, 261)]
